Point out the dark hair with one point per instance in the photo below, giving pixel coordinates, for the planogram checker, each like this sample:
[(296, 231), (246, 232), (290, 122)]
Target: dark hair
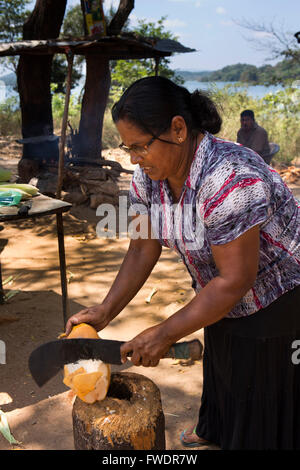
[(150, 103), (248, 112)]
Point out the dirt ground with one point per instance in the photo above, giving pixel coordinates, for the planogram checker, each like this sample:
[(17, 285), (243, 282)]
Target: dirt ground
[(40, 418)]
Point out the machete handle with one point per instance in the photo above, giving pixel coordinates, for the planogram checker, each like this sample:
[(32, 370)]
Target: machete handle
[(186, 350)]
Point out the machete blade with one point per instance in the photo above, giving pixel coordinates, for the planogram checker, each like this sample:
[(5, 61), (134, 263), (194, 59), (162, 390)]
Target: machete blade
[(49, 358)]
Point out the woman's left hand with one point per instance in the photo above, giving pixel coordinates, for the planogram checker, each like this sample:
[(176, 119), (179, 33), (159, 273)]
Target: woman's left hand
[(147, 348)]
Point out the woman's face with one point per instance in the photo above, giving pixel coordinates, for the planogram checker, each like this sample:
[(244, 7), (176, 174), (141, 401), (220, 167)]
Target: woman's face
[(161, 160)]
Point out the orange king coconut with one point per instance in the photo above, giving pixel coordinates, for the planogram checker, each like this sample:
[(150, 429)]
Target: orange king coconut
[(88, 378)]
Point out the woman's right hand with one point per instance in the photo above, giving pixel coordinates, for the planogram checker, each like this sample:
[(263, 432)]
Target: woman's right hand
[(96, 316)]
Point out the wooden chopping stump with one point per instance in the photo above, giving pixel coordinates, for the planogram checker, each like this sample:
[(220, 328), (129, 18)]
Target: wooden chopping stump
[(129, 418)]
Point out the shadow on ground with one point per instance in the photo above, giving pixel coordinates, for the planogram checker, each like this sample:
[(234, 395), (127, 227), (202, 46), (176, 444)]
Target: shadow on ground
[(32, 318)]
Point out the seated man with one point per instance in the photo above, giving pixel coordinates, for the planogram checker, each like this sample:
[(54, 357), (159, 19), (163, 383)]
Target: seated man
[(253, 136)]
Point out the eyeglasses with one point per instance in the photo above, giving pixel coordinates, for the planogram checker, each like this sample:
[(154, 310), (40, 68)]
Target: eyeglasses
[(142, 150), (137, 149)]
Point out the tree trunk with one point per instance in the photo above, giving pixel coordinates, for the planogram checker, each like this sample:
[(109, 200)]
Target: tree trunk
[(129, 418), (34, 80), (35, 97), (34, 71), (94, 101), (46, 19), (88, 143), (120, 17)]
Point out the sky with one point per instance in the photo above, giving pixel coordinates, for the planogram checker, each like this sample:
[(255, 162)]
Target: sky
[(210, 27)]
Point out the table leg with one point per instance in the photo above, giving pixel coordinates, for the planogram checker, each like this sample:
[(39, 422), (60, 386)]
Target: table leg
[(62, 266)]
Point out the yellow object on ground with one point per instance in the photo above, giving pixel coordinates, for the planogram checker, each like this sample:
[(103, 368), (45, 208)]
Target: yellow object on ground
[(89, 379), (27, 188), (17, 190)]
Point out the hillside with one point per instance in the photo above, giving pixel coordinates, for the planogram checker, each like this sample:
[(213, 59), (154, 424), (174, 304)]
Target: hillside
[(286, 70), (198, 76)]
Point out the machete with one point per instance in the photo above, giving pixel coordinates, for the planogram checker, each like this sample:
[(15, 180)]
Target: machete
[(47, 359)]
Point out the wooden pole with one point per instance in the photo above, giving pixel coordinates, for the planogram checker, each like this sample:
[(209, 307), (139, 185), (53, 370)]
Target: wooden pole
[(157, 60), (84, 21), (70, 57), (62, 267), (94, 100)]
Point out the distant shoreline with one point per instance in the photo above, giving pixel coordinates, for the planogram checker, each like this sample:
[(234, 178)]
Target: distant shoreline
[(255, 91), (282, 72)]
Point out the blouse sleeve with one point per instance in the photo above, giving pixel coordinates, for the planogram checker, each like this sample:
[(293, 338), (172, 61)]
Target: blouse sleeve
[(233, 203), (138, 193)]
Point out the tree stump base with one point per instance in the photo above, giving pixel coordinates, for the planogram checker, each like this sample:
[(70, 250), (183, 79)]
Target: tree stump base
[(129, 418)]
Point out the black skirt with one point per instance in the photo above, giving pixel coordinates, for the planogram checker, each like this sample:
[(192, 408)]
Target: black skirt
[(251, 379)]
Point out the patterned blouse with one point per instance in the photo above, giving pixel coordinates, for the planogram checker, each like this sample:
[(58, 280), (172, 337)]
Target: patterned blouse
[(229, 189)]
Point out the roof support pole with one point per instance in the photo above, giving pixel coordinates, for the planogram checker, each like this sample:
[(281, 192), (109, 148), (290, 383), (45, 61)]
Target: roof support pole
[(157, 60), (96, 90), (70, 57)]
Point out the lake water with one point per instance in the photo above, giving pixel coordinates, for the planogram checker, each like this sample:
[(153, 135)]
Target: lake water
[(255, 91)]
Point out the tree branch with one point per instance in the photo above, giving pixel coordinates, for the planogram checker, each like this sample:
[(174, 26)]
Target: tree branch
[(45, 20), (115, 26), (269, 38)]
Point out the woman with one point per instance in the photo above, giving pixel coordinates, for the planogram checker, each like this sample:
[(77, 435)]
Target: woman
[(240, 242)]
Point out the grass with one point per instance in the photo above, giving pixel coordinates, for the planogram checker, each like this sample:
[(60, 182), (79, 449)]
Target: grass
[(278, 113)]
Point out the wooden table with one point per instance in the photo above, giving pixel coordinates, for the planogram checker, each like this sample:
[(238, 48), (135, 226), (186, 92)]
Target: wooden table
[(42, 206)]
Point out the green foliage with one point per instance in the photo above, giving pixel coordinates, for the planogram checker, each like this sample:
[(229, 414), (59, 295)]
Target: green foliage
[(125, 72), (58, 104), (73, 22), (277, 112), (249, 75), (231, 73), (59, 72), (72, 27), (13, 14), (280, 113), (110, 135), (187, 75), (283, 72), (10, 117)]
